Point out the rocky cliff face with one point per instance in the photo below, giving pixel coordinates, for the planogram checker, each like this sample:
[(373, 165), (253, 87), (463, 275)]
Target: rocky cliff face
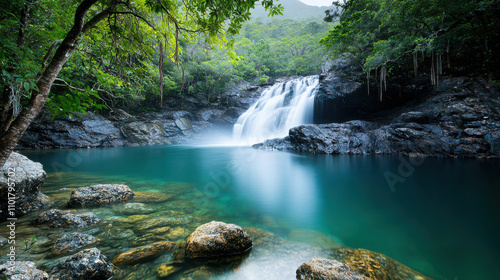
[(342, 96), (460, 118), (183, 120)]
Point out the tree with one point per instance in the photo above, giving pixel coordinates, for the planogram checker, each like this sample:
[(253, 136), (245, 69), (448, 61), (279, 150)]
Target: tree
[(386, 36), (171, 18)]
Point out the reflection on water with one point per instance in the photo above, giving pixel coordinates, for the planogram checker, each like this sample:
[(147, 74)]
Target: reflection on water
[(441, 220)]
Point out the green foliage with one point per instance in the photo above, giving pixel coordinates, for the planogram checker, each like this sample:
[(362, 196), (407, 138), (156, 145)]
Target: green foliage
[(115, 63), (376, 33)]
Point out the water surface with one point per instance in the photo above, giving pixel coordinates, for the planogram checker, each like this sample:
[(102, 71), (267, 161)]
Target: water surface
[(441, 218)]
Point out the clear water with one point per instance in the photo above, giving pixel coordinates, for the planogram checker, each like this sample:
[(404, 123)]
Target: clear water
[(443, 220), (279, 108)]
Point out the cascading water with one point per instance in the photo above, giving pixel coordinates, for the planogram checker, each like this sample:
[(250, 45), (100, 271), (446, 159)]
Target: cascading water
[(279, 108)]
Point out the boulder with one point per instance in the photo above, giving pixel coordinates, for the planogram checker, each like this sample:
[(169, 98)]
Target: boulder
[(325, 269), (217, 239), (120, 115), (143, 253), (99, 194), (170, 128), (89, 264), (183, 124), (21, 271), (374, 266), (28, 177), (72, 241), (57, 218), (145, 133), (84, 131)]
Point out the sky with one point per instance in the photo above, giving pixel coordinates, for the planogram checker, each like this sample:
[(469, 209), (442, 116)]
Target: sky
[(317, 2)]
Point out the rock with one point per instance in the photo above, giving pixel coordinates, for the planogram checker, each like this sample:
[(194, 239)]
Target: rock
[(145, 133), (143, 253), (210, 114), (22, 271), (133, 218), (57, 218), (89, 264), (493, 139), (177, 233), (454, 121), (133, 208), (167, 269), (325, 269), (170, 128), (181, 115), (3, 241), (99, 194), (375, 266), (217, 239), (70, 242), (152, 197), (89, 130), (120, 115), (183, 124), (28, 177)]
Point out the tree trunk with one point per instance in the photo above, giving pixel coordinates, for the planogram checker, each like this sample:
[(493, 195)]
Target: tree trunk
[(13, 134), (160, 66)]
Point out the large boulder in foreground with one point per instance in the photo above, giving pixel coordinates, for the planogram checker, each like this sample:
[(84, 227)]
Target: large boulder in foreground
[(57, 219), (325, 269), (22, 271), (99, 194), (71, 242), (89, 264), (375, 266), (28, 177), (217, 239)]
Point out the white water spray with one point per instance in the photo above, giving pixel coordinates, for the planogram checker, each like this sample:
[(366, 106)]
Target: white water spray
[(279, 108)]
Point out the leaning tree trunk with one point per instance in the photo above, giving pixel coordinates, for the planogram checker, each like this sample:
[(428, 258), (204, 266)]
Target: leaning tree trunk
[(13, 134)]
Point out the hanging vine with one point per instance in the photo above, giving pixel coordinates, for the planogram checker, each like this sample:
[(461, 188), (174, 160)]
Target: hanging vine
[(383, 81)]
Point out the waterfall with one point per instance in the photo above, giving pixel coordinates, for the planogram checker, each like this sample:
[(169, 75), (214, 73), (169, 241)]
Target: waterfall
[(279, 108)]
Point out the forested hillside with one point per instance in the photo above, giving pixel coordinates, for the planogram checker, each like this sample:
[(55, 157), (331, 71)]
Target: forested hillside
[(294, 9)]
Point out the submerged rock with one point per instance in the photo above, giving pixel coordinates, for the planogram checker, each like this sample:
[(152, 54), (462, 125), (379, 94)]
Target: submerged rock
[(57, 218), (22, 271), (217, 239), (167, 269), (3, 241), (133, 208), (99, 194), (143, 253), (152, 197), (71, 242), (28, 177), (375, 265), (325, 269), (89, 264)]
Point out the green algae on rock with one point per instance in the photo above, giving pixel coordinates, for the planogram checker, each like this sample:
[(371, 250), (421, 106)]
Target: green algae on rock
[(99, 194)]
